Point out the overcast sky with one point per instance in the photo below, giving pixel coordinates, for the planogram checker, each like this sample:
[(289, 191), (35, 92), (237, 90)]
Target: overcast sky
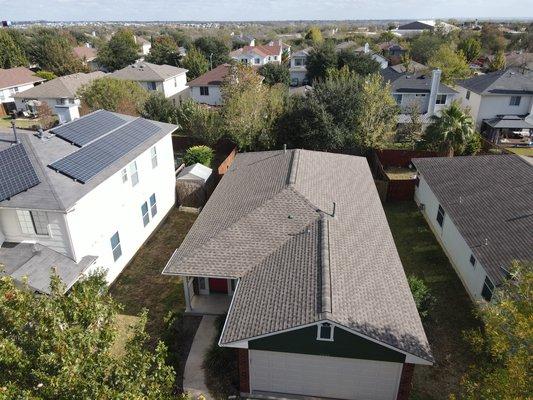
[(246, 10)]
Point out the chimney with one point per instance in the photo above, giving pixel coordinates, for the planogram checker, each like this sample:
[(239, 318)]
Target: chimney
[(366, 48), (435, 83), (252, 42), (15, 131)]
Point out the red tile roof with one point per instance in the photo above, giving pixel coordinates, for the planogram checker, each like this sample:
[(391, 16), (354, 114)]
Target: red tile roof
[(17, 76), (215, 77), (262, 50)]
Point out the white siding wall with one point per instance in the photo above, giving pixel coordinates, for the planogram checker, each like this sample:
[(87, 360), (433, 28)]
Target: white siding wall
[(452, 242), (52, 102), (423, 102), (58, 238), (6, 93), (116, 206), (175, 85), (214, 98)]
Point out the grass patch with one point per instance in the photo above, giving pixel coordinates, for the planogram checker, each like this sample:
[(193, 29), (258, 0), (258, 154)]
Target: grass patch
[(124, 324), (395, 173), (449, 316), (521, 151), (221, 369), (22, 123), (141, 285)]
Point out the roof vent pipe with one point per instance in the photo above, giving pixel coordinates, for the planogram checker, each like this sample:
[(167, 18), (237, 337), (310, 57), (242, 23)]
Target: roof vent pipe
[(334, 209), (40, 133), (15, 131), (284, 148)]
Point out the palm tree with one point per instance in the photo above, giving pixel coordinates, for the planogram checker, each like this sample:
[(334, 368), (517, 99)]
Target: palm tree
[(450, 131)]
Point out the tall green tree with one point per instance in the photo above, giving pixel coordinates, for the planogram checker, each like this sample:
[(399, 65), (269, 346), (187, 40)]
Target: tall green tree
[(492, 38), (314, 36), (275, 73), (11, 55), (450, 132), (213, 49), (120, 51), (452, 64), (117, 95), (61, 346), (424, 46), (498, 63), (320, 59), (362, 64), (199, 121), (195, 62), (164, 51), (158, 108), (471, 48)]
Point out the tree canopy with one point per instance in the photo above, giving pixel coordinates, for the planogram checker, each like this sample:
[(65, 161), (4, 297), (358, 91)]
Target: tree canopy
[(11, 54), (471, 48), (452, 64), (120, 51), (275, 73), (195, 62), (424, 46), (498, 63), (213, 49), (199, 121), (320, 59), (314, 36), (164, 51), (158, 108), (61, 346), (362, 64)]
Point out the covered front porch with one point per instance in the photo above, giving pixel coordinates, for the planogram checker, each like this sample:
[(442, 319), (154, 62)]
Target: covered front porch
[(208, 296)]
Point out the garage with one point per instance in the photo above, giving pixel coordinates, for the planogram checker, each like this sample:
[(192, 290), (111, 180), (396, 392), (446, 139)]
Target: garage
[(321, 376)]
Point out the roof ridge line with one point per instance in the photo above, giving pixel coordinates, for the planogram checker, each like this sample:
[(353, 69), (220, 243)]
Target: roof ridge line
[(325, 268), (293, 169)]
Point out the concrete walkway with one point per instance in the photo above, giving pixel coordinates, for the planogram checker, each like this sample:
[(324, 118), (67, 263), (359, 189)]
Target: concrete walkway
[(193, 376)]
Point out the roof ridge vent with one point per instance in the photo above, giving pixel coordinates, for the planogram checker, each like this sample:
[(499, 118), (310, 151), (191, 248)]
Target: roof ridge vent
[(294, 166), (325, 270)]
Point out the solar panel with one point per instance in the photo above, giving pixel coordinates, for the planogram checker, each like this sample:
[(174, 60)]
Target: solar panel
[(90, 160), (16, 172), (89, 128)]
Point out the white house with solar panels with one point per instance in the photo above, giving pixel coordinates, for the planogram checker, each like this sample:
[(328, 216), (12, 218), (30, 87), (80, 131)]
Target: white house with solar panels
[(82, 196)]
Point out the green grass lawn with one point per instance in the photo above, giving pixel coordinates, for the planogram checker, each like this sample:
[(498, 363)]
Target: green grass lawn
[(521, 151), (22, 123), (452, 314)]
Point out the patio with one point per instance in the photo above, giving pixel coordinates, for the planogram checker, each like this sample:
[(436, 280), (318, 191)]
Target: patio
[(209, 304)]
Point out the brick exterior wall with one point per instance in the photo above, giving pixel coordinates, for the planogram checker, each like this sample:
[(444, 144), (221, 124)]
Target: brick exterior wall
[(404, 390), (244, 373)]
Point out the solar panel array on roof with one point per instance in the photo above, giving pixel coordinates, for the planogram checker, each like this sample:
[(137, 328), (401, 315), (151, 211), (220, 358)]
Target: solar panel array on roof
[(87, 129), (90, 160), (16, 172)]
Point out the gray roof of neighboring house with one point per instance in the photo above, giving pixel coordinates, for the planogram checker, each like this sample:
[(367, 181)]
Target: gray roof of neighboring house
[(413, 67), (302, 53), (55, 190), (35, 262), (270, 222), (417, 82), (500, 82), (416, 25), (62, 87), (490, 201), (148, 72), (12, 77)]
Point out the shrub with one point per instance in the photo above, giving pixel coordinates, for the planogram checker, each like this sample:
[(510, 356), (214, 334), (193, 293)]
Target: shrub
[(424, 300), (46, 75), (198, 154), (473, 145)]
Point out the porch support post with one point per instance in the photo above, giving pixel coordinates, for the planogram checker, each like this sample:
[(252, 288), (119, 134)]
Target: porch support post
[(186, 292)]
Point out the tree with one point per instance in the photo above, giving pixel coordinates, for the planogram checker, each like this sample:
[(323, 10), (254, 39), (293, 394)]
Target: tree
[(471, 48), (164, 51), (199, 121), (11, 55), (199, 154), (126, 97), (424, 45), (213, 49), (411, 132), (504, 344), (158, 108), (450, 132), (53, 52), (195, 62), (119, 52), (498, 63), (275, 73), (452, 64), (47, 118), (492, 38), (46, 75), (362, 64), (319, 60), (61, 346), (314, 36)]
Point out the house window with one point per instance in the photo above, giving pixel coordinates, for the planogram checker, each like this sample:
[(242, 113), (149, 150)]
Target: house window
[(488, 289), (257, 61), (325, 332), (124, 175), (153, 154), (151, 85), (275, 58), (440, 216), (115, 246), (134, 174), (153, 205), (441, 99), (33, 222), (144, 212), (468, 94), (298, 62), (473, 260), (204, 90), (515, 101), (398, 98)]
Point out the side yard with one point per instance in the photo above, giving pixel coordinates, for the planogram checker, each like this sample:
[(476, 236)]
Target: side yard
[(452, 312)]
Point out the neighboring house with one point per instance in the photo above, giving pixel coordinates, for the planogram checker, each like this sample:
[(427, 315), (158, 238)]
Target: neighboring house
[(87, 55), (501, 104), (298, 69), (144, 45), (479, 208), (13, 81), (258, 55), (383, 63), (206, 88), (60, 94), (242, 40), (320, 304), (169, 80), (412, 67), (419, 88), (417, 27), (392, 49), (519, 60), (83, 196)]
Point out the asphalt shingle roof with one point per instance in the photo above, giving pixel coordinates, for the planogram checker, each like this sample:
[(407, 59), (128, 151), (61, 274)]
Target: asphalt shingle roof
[(215, 77), (500, 82), (17, 76), (148, 72), (490, 201), (418, 82), (270, 223)]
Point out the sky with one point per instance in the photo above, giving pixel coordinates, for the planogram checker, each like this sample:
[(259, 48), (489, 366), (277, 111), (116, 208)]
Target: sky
[(259, 10)]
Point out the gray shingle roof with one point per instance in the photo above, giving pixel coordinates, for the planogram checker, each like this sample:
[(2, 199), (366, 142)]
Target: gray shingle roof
[(418, 82), (269, 223), (416, 25), (148, 72), (62, 87), (500, 82), (490, 201)]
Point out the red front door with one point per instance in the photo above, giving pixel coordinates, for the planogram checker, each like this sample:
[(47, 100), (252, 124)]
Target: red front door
[(217, 285)]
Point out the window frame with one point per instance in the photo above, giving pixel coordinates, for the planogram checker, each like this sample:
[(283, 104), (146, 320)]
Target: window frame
[(516, 102), (473, 261), (153, 205), (116, 247), (153, 157), (152, 85), (134, 174), (124, 175), (330, 337), (33, 223), (438, 99), (489, 287), (204, 90), (441, 214), (398, 97), (145, 213)]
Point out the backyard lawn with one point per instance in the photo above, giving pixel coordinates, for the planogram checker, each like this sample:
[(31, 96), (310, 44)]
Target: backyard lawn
[(22, 123), (452, 313), (522, 151), (141, 285)]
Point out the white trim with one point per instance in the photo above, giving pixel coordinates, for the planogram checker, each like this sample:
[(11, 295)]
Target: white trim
[(226, 320), (319, 329)]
